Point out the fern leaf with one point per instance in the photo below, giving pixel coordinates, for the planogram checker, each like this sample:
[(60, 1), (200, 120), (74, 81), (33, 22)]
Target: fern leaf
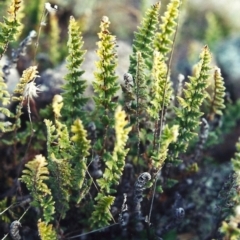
[(46, 231), (80, 138), (114, 166), (105, 84), (161, 88), (143, 38), (73, 98), (9, 28), (35, 176), (163, 40), (102, 215), (216, 98), (189, 113)]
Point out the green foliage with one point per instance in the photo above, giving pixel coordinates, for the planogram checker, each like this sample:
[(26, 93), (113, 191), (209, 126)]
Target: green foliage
[(229, 227), (216, 97), (105, 85), (35, 178), (163, 40), (143, 38), (102, 215), (169, 136), (9, 28), (81, 151), (187, 116), (74, 87), (46, 231), (4, 100), (63, 185), (114, 168), (161, 92)]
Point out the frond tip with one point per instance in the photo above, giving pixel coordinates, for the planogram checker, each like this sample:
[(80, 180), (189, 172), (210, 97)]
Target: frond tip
[(216, 98), (35, 176), (163, 40)]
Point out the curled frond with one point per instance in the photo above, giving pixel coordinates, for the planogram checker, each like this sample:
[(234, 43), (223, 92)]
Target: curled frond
[(35, 176), (143, 38), (216, 97), (75, 86), (189, 112), (105, 84), (46, 231), (163, 40)]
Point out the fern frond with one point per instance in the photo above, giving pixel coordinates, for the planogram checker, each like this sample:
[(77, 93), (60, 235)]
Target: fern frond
[(105, 85), (189, 112), (61, 183), (4, 100), (229, 227), (163, 41), (102, 215), (9, 28), (74, 88), (80, 138), (35, 176), (161, 92), (46, 231), (143, 38), (82, 146), (114, 167), (216, 97), (169, 135)]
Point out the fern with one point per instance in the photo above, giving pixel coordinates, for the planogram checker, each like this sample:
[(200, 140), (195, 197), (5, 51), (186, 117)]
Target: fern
[(81, 151), (143, 38), (105, 85), (59, 155), (169, 136), (4, 100), (229, 227), (163, 40), (35, 177), (46, 231), (102, 215), (114, 168), (216, 97), (189, 112), (73, 98), (9, 28), (161, 93)]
